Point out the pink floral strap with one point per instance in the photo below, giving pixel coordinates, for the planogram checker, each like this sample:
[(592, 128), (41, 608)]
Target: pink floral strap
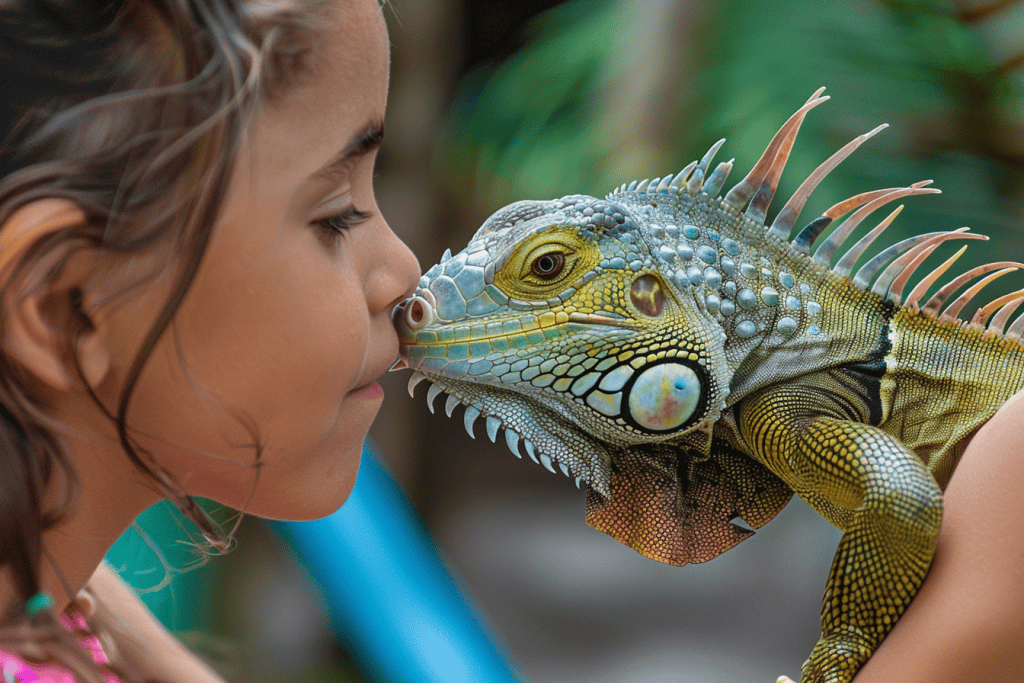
[(16, 670)]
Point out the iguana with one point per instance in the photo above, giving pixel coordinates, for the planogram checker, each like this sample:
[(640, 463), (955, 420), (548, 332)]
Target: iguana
[(692, 366)]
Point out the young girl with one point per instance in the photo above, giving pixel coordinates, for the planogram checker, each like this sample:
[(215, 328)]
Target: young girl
[(195, 292)]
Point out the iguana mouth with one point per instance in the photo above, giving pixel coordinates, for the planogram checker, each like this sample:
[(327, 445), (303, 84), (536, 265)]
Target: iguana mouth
[(527, 427)]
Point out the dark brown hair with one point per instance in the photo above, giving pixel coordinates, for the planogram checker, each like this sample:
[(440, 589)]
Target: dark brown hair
[(134, 111)]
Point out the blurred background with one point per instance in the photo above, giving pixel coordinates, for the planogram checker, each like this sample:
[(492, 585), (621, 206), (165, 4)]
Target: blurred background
[(500, 100)]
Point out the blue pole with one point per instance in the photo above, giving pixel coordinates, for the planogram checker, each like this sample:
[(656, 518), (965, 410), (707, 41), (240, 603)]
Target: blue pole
[(402, 614)]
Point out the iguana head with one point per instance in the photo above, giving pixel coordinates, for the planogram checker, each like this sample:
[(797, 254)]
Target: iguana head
[(563, 322), (585, 326)]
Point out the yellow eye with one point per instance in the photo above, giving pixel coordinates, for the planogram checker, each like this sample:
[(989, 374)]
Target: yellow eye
[(548, 266), (545, 263)]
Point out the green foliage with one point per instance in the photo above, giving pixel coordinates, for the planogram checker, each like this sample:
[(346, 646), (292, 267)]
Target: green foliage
[(520, 128)]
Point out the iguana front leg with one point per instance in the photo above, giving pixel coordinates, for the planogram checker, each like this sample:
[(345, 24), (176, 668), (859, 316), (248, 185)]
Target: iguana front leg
[(812, 435)]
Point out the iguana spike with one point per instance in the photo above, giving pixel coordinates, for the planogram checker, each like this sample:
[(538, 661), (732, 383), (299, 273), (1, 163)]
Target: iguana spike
[(918, 251), (930, 278), (469, 418), (1006, 304), (868, 271), (663, 185), (705, 162), (1000, 318), (1016, 329), (740, 194), (642, 186), (530, 450), (758, 208), (545, 460), (952, 311), (916, 257), (680, 178), (846, 263), (632, 186), (935, 303), (830, 246), (855, 202), (416, 378), (895, 293), (810, 232), (512, 441), (714, 182), (431, 395), (451, 404), (652, 187), (786, 218), (492, 424), (696, 181)]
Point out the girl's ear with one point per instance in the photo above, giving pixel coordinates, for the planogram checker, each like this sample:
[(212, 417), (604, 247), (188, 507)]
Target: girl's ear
[(41, 315)]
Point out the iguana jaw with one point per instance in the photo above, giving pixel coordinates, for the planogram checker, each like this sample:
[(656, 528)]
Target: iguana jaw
[(548, 435)]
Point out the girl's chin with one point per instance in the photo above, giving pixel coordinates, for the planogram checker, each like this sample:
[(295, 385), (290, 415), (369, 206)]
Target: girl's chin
[(318, 488), (316, 502)]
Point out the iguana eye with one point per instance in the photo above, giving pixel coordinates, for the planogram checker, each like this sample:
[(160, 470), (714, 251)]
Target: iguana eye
[(548, 265)]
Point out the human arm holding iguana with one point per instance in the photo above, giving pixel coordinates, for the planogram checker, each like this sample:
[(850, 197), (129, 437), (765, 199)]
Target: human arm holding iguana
[(966, 624)]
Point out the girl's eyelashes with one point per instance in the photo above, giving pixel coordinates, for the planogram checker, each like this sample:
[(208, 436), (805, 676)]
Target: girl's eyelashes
[(338, 224)]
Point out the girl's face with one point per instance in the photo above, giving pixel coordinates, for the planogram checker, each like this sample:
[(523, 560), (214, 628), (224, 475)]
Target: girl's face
[(287, 324)]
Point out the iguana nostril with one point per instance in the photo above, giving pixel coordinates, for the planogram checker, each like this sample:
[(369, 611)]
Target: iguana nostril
[(418, 313)]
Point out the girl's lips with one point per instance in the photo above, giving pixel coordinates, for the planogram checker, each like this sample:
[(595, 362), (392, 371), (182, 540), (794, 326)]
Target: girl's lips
[(372, 389)]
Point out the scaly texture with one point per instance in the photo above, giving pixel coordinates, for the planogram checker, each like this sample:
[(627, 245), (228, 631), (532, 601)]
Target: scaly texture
[(693, 366)]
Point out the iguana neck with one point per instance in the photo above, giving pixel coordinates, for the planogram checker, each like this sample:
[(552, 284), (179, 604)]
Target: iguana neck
[(780, 311)]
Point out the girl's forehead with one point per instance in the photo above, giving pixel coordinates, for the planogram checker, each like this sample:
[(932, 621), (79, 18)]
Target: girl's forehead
[(342, 91), (349, 65), (346, 79), (354, 42)]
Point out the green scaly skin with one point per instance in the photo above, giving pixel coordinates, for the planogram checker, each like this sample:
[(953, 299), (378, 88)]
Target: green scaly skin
[(692, 366)]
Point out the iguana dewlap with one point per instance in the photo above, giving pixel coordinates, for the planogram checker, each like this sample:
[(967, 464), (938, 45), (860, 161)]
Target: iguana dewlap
[(692, 366)]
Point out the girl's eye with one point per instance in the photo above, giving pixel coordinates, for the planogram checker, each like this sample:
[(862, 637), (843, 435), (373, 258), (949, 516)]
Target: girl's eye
[(337, 225)]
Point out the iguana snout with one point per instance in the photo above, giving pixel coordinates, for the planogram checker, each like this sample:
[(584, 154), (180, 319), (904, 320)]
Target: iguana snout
[(560, 324)]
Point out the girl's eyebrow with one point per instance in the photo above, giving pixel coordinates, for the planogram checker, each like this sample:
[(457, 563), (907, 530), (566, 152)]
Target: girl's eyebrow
[(362, 143)]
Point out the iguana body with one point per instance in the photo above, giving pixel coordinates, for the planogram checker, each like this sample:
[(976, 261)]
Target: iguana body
[(692, 366)]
